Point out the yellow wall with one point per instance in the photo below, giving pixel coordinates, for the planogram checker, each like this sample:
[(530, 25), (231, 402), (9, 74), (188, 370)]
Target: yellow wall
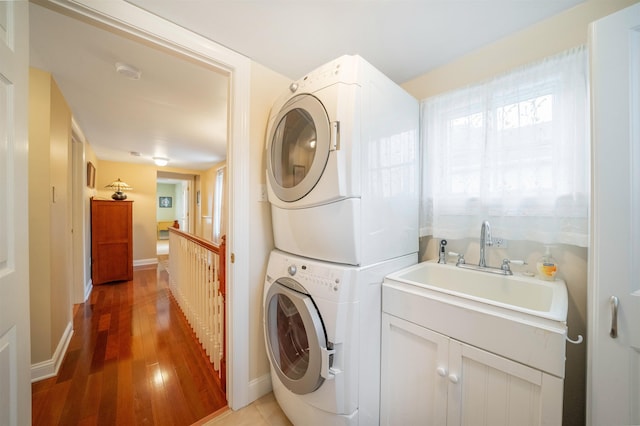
[(49, 215), (39, 220), (61, 267), (549, 37), (266, 86)]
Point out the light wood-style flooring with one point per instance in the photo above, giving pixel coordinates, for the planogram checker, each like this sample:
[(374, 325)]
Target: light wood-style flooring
[(132, 360)]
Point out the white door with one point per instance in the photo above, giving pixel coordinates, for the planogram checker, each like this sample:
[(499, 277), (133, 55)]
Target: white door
[(15, 384), (613, 377), (186, 203)]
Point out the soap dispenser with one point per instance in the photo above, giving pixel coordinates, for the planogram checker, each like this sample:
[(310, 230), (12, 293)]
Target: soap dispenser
[(547, 266)]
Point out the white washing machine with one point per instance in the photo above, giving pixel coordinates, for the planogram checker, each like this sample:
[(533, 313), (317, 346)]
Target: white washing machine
[(322, 333), (342, 166)]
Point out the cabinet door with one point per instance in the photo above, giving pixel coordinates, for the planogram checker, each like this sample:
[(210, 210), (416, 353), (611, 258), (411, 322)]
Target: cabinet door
[(414, 374), (486, 389), (111, 241)]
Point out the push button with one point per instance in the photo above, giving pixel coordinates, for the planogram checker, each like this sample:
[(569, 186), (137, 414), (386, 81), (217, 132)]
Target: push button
[(292, 270)]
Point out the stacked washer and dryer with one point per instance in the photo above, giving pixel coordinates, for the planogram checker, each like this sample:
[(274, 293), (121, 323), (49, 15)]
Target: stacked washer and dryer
[(342, 180)]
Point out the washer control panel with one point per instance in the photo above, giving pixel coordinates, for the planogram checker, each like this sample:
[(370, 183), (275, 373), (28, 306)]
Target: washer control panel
[(317, 278)]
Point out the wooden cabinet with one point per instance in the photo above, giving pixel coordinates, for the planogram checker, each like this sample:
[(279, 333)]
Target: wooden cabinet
[(431, 379), (111, 241)]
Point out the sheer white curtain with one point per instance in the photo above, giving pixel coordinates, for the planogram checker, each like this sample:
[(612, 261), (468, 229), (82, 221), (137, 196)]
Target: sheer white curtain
[(514, 151)]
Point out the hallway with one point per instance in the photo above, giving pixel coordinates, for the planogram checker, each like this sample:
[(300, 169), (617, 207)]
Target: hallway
[(133, 359)]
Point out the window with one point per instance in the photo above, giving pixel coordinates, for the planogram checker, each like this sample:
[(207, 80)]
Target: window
[(514, 151), (217, 205)]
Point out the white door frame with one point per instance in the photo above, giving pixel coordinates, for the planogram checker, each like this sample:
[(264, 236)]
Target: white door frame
[(140, 24)]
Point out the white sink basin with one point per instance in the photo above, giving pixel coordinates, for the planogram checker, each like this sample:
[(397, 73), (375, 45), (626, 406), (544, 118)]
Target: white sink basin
[(517, 317), (545, 299)]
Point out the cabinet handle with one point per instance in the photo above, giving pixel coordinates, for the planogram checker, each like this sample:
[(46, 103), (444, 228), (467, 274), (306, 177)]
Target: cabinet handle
[(442, 372), (614, 316), (453, 378)]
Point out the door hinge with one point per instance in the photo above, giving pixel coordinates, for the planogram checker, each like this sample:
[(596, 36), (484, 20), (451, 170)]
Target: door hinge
[(233, 258)]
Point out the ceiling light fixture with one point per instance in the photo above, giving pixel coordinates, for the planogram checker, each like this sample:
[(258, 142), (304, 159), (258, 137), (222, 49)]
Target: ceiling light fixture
[(128, 71), (160, 161)]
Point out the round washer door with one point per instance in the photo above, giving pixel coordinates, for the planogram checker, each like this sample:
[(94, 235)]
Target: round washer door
[(298, 149), (295, 336)]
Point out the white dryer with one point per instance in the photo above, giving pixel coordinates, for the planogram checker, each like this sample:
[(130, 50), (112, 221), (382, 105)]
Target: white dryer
[(342, 166), (322, 334)]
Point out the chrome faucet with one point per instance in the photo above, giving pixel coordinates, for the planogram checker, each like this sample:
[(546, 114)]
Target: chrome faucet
[(485, 240)]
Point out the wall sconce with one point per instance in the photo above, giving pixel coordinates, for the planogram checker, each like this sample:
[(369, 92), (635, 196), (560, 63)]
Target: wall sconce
[(119, 186), (160, 161)]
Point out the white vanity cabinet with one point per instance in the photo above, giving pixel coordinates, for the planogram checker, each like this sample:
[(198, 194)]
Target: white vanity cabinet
[(431, 379), (465, 347)]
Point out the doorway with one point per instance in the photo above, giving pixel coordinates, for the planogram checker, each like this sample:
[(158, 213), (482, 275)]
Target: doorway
[(134, 23), (174, 206)]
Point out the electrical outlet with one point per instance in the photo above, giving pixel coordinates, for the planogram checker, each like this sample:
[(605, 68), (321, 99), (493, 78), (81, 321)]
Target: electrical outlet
[(499, 242)]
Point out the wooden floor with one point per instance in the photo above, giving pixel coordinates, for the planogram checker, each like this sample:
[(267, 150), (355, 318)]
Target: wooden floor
[(133, 360)]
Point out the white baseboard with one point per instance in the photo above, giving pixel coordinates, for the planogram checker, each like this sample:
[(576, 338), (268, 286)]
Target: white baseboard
[(144, 262), (87, 289), (45, 369), (259, 387)]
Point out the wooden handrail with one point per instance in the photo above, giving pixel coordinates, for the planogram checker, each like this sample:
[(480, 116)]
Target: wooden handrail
[(200, 241)]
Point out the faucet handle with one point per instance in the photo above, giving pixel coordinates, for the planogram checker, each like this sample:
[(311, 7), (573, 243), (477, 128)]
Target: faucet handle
[(461, 260), (506, 262)]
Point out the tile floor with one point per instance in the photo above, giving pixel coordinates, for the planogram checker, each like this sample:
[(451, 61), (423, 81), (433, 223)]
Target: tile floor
[(263, 412)]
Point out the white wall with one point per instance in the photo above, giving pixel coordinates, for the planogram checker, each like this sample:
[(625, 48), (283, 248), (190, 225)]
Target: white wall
[(561, 32)]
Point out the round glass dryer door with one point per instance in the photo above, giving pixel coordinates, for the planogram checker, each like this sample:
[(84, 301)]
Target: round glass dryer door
[(299, 146), (295, 335)]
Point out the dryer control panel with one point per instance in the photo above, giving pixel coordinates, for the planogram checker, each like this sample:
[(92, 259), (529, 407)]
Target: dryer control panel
[(341, 70)]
